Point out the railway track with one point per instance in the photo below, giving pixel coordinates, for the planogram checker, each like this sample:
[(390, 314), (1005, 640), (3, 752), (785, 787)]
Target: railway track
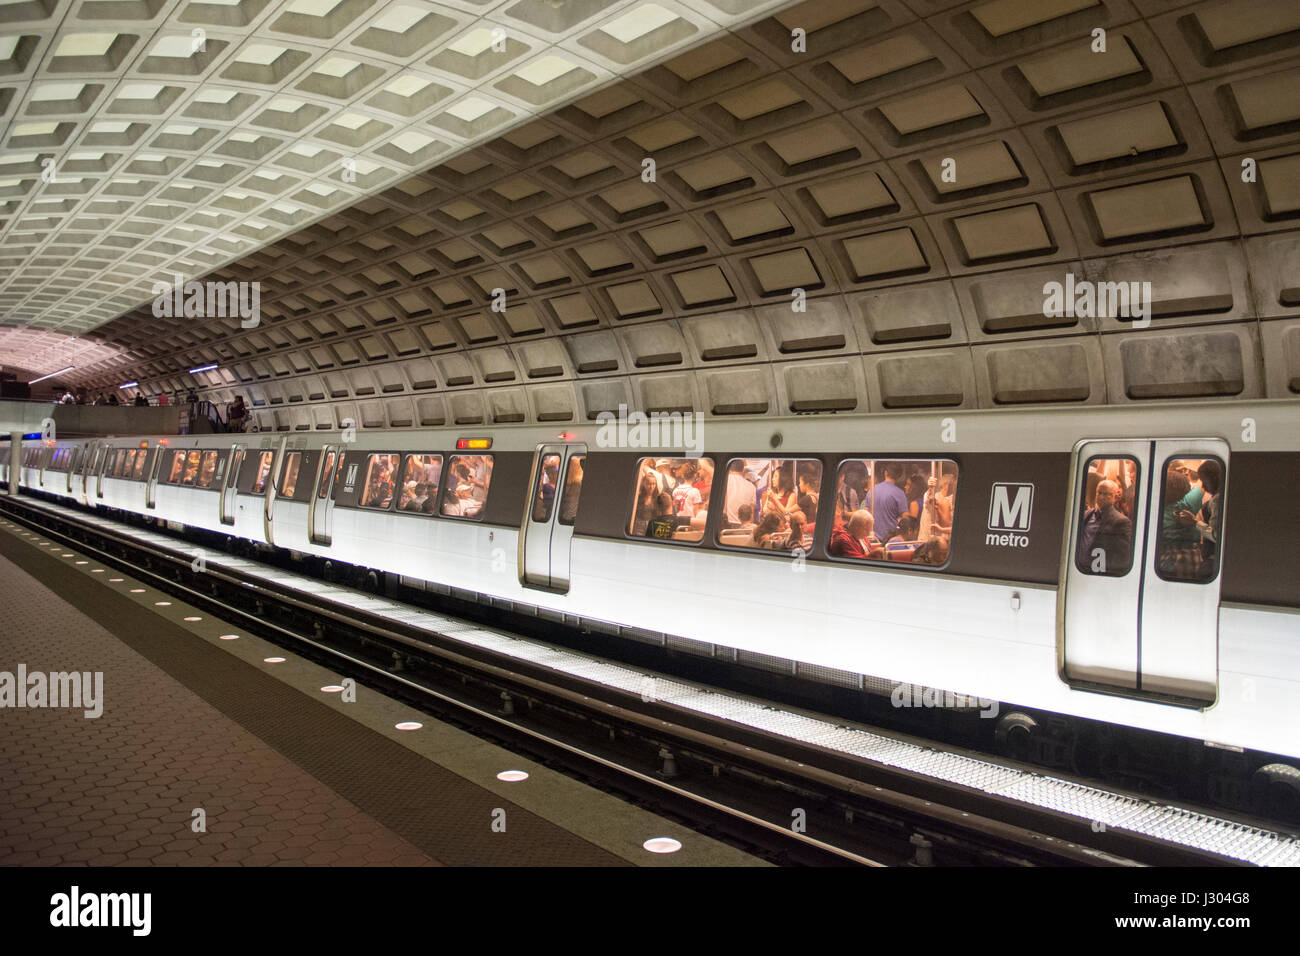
[(716, 762)]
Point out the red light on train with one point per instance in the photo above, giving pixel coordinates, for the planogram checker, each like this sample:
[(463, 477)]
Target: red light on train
[(567, 436), (473, 444)]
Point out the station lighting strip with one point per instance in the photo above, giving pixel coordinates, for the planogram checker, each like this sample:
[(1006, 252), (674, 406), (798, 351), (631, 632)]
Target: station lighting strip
[(1165, 822)]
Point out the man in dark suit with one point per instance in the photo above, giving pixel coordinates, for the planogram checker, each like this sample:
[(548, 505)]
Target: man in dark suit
[(1105, 529)]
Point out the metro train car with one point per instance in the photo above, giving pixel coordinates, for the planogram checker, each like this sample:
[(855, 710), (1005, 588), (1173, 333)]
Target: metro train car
[(1134, 566)]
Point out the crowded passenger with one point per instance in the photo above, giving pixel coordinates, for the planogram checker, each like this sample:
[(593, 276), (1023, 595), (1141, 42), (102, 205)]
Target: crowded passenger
[(647, 493), (855, 538), (572, 491), (1106, 535), (767, 526), (663, 524), (888, 501)]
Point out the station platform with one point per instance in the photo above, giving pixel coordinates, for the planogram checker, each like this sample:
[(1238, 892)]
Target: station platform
[(215, 747)]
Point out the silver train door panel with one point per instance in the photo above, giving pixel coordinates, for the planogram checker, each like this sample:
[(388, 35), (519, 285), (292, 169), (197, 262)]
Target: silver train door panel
[(230, 486), (272, 480), (1126, 623), (1098, 607), (87, 469), (1180, 601), (105, 453), (547, 530), (151, 479), (321, 510), (72, 467)]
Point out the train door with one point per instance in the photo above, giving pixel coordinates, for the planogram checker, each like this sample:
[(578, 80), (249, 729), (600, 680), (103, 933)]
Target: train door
[(268, 512), (105, 453), (71, 471), (547, 531), (87, 469), (320, 512), (151, 478), (1138, 607), (230, 485)]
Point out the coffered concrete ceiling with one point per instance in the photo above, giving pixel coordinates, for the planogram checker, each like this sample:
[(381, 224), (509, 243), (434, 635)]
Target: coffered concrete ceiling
[(919, 170), (140, 137)]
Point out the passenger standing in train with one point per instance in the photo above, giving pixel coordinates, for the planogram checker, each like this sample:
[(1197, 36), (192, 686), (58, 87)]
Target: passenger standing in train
[(431, 471), (686, 497), (664, 476), (808, 490), (888, 502), (1180, 539), (1211, 475), (703, 476), (663, 524), (482, 475), (645, 502), (740, 492), (1106, 529), (780, 499), (572, 489), (852, 490)]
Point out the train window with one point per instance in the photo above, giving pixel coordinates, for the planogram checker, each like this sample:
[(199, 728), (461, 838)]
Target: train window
[(1191, 515), (421, 477), (381, 475), (548, 478), (175, 468), (1105, 542), (140, 458), (770, 503), (208, 469), (572, 490), (468, 478), (192, 460), (289, 473), (671, 501), (263, 471), (894, 510)]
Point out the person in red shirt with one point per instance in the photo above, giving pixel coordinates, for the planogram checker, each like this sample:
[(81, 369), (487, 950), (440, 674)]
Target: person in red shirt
[(854, 539)]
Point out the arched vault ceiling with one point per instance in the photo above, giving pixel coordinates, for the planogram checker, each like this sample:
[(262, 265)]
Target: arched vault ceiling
[(171, 136), (1171, 158)]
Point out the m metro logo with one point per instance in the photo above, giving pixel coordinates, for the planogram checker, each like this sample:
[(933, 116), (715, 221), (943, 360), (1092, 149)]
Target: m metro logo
[(1011, 508)]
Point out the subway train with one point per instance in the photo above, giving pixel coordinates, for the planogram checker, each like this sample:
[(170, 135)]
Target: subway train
[(1134, 566)]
